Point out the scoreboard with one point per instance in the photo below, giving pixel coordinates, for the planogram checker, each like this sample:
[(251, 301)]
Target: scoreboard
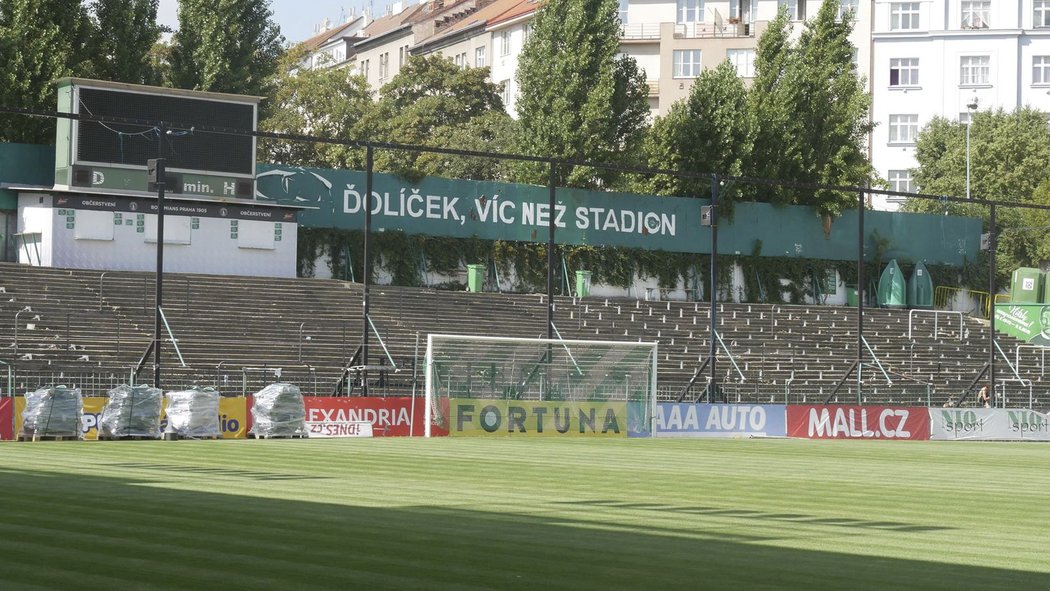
[(110, 156)]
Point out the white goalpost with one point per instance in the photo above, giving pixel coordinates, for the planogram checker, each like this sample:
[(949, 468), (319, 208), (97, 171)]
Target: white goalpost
[(537, 378)]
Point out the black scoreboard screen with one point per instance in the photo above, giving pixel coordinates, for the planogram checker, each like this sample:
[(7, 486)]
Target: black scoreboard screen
[(183, 146)]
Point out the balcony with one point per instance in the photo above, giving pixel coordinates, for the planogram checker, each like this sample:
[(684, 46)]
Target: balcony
[(638, 31), (653, 31)]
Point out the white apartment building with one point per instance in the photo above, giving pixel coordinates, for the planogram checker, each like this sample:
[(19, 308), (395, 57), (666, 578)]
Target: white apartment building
[(938, 57)]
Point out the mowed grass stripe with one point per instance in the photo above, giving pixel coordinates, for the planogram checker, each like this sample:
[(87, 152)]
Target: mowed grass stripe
[(522, 513)]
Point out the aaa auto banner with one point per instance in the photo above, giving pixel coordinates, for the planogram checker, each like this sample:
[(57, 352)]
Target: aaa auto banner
[(7, 419), (857, 422), (720, 420), (988, 424), (390, 417), (533, 417)]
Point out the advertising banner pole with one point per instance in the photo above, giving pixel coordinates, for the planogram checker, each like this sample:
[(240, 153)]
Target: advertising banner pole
[(156, 173), (365, 270)]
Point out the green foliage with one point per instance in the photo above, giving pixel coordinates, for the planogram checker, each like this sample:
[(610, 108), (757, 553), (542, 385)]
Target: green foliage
[(325, 102), (225, 46), (578, 101), (126, 31), (433, 102), (40, 41), (812, 111), (710, 131), (1009, 162)]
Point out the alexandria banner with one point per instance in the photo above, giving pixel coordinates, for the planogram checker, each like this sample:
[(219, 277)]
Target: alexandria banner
[(989, 424), (720, 420), (857, 422), (395, 416), (7, 418), (470, 416)]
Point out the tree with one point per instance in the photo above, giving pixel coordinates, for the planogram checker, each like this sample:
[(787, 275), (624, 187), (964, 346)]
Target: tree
[(323, 102), (1009, 162), (125, 32), (577, 100), (433, 102), (225, 46), (40, 41), (812, 111), (709, 131)]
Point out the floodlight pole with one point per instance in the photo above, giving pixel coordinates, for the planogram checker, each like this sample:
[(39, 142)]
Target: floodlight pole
[(157, 174), (992, 245), (365, 270), (551, 181), (712, 353), (860, 292)]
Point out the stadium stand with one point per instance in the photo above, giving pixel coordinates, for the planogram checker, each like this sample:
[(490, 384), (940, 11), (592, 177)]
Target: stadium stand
[(234, 332)]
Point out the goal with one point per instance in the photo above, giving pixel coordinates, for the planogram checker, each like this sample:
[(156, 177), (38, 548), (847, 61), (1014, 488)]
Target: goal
[(477, 385)]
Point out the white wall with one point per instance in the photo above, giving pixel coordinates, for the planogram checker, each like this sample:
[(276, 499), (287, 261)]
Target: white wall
[(36, 216)]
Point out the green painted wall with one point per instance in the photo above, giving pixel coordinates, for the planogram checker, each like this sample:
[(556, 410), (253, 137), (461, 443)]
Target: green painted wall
[(24, 164)]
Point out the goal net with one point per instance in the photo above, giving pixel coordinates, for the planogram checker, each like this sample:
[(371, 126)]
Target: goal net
[(478, 385)]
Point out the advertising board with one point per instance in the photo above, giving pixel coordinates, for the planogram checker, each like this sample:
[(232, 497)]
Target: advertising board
[(858, 422), (7, 418), (720, 420), (537, 418), (988, 424), (388, 417)]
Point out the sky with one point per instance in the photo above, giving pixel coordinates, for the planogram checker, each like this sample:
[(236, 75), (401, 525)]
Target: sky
[(297, 18)]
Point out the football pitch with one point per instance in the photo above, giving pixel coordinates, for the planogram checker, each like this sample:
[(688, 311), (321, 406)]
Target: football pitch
[(462, 513)]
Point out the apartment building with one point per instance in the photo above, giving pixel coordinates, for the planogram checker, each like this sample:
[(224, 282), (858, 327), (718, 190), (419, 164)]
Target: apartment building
[(950, 58)]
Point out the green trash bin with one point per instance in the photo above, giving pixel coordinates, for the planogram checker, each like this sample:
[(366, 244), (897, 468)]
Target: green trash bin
[(583, 283), (475, 277), (852, 298), (1025, 286)]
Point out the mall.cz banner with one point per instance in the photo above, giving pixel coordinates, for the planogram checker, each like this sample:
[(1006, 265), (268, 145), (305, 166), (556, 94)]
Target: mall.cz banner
[(720, 420), (989, 424), (537, 418), (857, 422), (7, 418), (232, 416), (390, 417)]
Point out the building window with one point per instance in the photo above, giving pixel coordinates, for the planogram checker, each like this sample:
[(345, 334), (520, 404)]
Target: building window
[(526, 32), (796, 9), (904, 71), (850, 6), (384, 66), (1041, 69), (479, 57), (975, 13), (743, 60), (505, 92), (901, 181), (686, 63), (904, 16), (504, 42), (690, 11), (1041, 13), (904, 129), (974, 70), (623, 11), (400, 58), (364, 68)]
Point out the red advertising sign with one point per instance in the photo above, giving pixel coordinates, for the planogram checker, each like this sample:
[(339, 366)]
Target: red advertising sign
[(858, 422), (390, 417), (7, 419)]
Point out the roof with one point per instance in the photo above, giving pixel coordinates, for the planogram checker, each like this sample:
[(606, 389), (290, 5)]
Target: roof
[(323, 37), (523, 7), (478, 18)]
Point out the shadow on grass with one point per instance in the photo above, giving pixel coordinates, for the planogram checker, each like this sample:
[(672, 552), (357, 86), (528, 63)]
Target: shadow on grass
[(849, 522), (60, 531)]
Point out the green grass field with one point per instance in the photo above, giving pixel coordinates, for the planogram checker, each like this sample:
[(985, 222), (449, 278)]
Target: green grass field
[(457, 513)]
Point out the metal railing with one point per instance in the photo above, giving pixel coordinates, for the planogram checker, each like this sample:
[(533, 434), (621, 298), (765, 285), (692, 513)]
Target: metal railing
[(943, 297), (936, 315), (631, 31)]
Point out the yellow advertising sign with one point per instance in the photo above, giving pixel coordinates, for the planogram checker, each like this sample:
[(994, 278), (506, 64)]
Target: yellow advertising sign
[(233, 416), (537, 418)]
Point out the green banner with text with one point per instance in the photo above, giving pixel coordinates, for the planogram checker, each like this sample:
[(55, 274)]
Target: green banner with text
[(1027, 322), (516, 212)]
